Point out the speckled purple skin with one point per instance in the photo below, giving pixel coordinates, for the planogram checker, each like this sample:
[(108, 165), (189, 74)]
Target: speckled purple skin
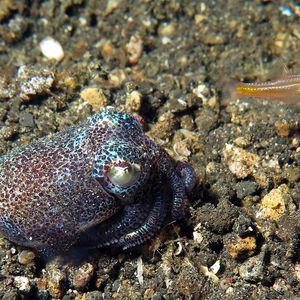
[(56, 191)]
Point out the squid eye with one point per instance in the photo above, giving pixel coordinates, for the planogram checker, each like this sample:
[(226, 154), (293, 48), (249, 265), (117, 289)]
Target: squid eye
[(124, 176)]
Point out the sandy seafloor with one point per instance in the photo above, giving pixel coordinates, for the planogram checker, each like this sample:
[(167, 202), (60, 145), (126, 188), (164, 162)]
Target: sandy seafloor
[(172, 62)]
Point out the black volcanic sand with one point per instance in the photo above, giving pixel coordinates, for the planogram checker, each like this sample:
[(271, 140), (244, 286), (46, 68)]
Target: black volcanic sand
[(173, 63)]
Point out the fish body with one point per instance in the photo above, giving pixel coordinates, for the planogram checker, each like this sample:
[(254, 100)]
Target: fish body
[(286, 88)]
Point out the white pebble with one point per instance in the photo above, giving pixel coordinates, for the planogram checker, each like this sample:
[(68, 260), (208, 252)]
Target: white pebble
[(51, 48), (140, 270), (22, 283)]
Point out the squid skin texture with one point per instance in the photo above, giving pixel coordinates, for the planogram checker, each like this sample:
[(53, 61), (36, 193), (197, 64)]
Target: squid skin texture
[(56, 192)]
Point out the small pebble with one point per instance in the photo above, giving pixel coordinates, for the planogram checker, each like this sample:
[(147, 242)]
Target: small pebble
[(149, 293), (275, 203), (26, 257), (32, 82), (206, 120), (283, 128), (167, 29), (280, 286), (134, 48), (253, 269), (22, 283), (95, 97), (56, 280), (111, 6), (163, 128), (242, 142), (82, 276), (95, 295), (241, 247), (239, 161), (51, 48), (133, 102), (197, 235), (11, 295), (187, 122), (117, 77), (212, 38), (245, 188)]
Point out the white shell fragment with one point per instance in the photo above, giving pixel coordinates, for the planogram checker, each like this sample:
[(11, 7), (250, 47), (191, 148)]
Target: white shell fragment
[(140, 270), (51, 48)]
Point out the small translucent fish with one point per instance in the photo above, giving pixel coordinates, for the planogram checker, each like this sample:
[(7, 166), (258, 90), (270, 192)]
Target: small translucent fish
[(286, 88)]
